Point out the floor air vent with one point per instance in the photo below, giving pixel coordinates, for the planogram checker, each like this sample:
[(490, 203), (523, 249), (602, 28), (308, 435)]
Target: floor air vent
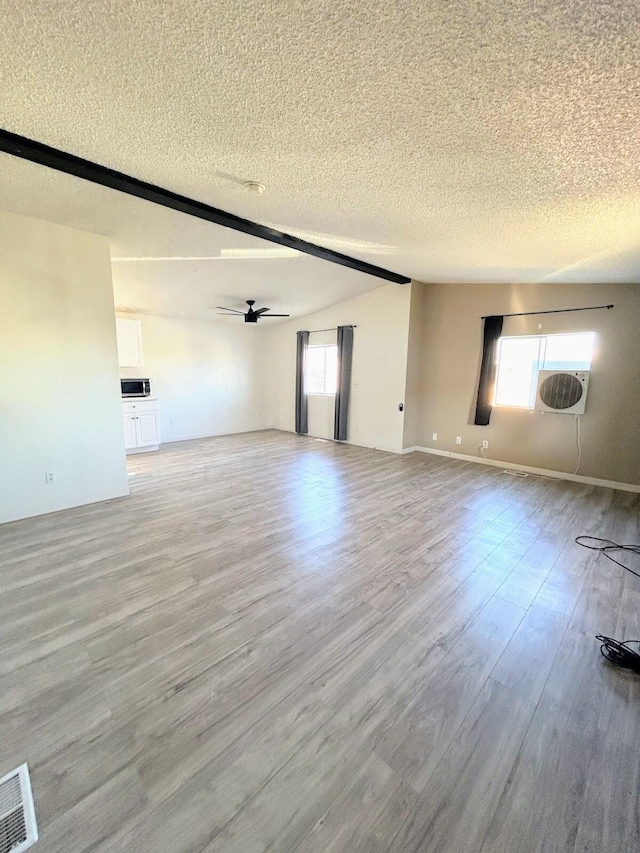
[(18, 830)]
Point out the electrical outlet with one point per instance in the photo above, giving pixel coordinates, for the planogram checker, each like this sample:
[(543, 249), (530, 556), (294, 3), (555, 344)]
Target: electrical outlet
[(435, 436), (458, 439), (49, 477), (485, 444)]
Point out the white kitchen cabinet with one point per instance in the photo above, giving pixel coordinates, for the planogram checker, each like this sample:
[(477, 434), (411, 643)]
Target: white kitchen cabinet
[(141, 419), (147, 429), (129, 334), (129, 420)]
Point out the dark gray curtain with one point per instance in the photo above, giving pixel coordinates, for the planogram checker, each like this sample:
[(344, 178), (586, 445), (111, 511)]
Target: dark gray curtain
[(345, 357), (488, 369), (302, 420)]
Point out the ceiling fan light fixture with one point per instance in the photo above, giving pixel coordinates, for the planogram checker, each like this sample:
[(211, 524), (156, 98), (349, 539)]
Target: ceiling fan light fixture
[(250, 316), (254, 187)]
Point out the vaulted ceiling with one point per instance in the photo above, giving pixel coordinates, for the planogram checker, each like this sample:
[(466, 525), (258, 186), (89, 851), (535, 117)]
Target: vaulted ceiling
[(481, 140)]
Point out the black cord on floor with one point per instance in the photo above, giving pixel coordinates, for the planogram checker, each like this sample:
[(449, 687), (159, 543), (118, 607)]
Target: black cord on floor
[(621, 653), (606, 546), (616, 651)]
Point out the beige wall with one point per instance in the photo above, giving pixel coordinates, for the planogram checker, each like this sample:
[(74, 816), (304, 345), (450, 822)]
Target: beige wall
[(59, 391), (209, 378), (379, 368), (450, 359)]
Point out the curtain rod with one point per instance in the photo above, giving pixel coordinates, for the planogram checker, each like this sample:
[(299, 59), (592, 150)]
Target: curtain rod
[(556, 311), (333, 329)]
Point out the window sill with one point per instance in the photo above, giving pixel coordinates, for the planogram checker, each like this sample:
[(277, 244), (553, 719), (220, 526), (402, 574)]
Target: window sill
[(319, 394), (513, 406)]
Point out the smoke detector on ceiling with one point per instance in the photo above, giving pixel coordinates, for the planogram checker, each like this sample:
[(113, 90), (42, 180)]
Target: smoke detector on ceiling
[(254, 187)]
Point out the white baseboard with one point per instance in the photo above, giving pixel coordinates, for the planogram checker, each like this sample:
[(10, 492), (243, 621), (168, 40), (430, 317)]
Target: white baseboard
[(379, 447), (527, 469), (214, 435)]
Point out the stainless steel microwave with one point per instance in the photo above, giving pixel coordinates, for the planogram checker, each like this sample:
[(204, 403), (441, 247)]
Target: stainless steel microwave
[(135, 387)]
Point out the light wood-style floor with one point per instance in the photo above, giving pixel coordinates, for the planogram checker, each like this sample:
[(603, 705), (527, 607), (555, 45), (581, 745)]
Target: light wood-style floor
[(283, 644)]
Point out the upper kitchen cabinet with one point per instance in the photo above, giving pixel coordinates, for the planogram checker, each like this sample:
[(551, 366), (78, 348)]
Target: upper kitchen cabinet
[(129, 334)]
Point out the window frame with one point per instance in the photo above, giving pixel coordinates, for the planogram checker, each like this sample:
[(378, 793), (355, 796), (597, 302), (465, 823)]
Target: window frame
[(541, 364), (324, 347)]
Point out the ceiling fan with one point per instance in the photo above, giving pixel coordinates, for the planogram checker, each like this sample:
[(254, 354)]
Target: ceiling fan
[(250, 316)]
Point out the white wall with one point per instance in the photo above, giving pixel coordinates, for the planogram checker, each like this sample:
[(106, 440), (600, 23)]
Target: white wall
[(413, 393), (59, 393), (209, 378), (379, 368)]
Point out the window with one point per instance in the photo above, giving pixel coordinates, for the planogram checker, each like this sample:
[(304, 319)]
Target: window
[(321, 369), (520, 359)]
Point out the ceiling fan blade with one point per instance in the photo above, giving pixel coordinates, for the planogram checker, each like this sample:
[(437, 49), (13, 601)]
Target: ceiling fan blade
[(230, 310), (260, 310), (275, 315)]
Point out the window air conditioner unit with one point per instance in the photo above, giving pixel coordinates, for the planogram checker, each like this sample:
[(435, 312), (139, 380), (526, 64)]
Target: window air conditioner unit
[(562, 391)]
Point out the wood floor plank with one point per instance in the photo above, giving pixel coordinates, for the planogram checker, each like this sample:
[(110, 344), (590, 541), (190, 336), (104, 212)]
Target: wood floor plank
[(187, 731), (278, 644), (81, 767), (98, 816), (52, 721), (413, 743), (283, 813), (199, 808), (523, 584), (610, 816), (453, 812), (525, 664), (365, 815), (541, 806)]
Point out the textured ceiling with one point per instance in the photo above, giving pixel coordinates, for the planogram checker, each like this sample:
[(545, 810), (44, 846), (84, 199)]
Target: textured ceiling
[(170, 264), (481, 140)]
